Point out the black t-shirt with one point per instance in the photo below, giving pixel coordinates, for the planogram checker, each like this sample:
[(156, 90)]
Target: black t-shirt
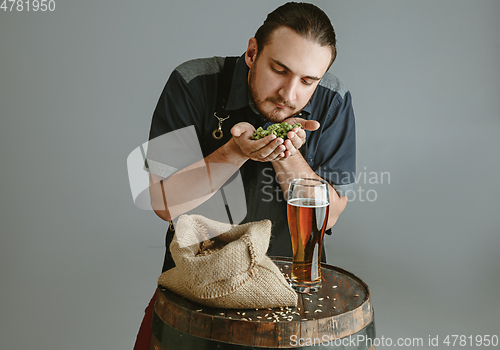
[(189, 100)]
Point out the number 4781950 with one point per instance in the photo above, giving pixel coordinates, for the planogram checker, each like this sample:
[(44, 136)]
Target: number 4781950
[(28, 5)]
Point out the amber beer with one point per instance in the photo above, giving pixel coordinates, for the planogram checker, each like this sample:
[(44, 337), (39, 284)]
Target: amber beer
[(307, 219)]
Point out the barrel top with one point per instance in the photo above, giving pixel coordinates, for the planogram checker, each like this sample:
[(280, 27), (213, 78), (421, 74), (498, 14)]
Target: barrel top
[(340, 308)]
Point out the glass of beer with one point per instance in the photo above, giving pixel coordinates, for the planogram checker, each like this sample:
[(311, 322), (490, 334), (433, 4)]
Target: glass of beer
[(307, 209)]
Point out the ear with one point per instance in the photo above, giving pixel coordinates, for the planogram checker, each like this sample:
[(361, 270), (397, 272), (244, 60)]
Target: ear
[(251, 53)]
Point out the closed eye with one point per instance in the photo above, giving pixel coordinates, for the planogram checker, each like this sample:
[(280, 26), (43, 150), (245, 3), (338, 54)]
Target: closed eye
[(278, 71), (305, 81)]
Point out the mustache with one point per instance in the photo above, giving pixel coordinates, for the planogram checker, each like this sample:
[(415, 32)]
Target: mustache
[(280, 101)]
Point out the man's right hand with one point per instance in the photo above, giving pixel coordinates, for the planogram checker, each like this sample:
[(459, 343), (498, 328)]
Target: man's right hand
[(267, 149)]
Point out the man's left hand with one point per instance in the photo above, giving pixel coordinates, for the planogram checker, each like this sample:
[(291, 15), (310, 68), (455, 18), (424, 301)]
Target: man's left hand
[(297, 136)]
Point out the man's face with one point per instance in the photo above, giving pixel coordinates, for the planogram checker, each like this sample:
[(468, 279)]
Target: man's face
[(288, 71)]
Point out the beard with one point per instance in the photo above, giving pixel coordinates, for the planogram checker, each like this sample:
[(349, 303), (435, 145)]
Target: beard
[(276, 114)]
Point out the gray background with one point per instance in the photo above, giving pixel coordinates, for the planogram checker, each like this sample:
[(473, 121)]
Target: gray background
[(79, 262)]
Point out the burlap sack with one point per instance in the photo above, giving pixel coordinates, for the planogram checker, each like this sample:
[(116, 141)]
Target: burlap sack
[(233, 271)]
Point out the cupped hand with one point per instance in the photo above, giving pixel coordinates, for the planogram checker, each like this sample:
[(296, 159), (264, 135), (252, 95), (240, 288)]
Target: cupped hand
[(267, 149), (297, 136)]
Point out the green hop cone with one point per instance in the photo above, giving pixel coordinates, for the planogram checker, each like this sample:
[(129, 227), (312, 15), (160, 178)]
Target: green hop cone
[(278, 129)]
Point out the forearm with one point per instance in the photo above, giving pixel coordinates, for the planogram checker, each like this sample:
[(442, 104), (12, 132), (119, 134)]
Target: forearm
[(297, 167), (195, 184)]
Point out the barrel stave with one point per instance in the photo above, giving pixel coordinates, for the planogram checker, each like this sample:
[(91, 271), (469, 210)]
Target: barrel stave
[(285, 330), (222, 329), (266, 335), (200, 324)]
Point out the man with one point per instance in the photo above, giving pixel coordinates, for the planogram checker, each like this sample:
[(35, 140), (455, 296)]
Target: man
[(281, 77)]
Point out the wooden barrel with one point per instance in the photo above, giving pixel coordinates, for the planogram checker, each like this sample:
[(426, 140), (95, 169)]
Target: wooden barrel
[(339, 316)]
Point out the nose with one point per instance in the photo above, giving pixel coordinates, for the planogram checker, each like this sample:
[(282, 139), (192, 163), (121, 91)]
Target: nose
[(289, 90)]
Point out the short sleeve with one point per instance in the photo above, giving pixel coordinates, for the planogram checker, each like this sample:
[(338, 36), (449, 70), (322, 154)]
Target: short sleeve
[(174, 134), (335, 155)]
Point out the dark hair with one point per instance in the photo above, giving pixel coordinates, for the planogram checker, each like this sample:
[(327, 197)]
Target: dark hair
[(305, 19)]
